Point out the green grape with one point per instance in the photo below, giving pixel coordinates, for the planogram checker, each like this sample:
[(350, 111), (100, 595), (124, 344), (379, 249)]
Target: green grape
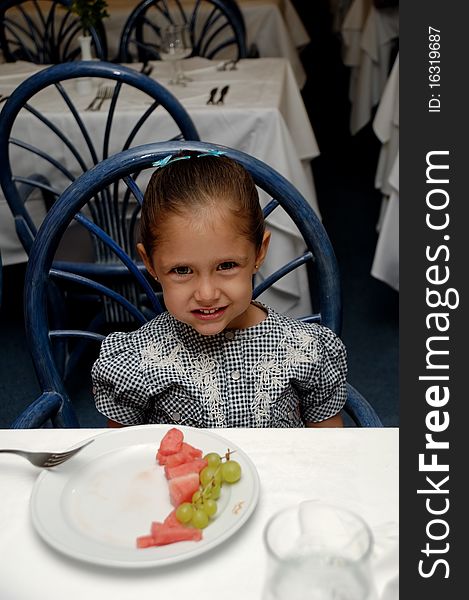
[(196, 497), (213, 459), (184, 512), (199, 518), (209, 507), (230, 471), (208, 474), (212, 491)]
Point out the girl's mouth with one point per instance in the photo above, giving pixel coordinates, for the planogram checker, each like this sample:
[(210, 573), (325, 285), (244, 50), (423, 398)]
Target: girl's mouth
[(207, 314)]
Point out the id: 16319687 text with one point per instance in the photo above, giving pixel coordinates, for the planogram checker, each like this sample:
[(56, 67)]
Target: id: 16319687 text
[(434, 69)]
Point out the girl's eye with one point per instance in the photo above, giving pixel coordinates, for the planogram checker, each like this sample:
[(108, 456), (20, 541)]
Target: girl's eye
[(182, 270), (225, 266)]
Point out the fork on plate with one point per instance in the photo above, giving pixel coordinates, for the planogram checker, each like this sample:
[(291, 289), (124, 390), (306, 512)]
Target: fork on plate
[(103, 93), (47, 459)]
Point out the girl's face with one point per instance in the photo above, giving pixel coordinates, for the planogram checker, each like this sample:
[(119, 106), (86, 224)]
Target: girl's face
[(205, 267)]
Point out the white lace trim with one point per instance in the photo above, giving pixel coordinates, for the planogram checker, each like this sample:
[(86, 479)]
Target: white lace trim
[(203, 374), (155, 354), (204, 377), (297, 348)]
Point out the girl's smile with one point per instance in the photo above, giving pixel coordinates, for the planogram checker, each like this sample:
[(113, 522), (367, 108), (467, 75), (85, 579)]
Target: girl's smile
[(205, 266)]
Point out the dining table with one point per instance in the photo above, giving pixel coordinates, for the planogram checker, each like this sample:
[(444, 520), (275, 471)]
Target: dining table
[(385, 266), (263, 114), (273, 26), (368, 35), (354, 468), (386, 129)]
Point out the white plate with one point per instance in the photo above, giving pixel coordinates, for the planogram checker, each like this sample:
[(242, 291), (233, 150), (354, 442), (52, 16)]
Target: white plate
[(94, 506)]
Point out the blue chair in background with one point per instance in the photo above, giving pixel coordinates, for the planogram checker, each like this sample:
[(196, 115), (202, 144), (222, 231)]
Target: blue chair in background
[(55, 403), (31, 166), (216, 26), (61, 141), (252, 51), (44, 32)]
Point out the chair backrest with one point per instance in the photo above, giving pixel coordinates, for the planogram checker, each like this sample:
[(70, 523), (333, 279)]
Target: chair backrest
[(47, 138), (217, 31), (121, 168), (44, 32)]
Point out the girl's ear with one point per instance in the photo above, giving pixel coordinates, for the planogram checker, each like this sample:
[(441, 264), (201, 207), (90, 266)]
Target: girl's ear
[(263, 249), (146, 260)]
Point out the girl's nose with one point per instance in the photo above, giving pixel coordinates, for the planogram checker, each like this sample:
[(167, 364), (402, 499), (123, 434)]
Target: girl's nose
[(206, 291)]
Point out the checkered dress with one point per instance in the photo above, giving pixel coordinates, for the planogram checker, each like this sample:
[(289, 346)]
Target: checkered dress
[(279, 373)]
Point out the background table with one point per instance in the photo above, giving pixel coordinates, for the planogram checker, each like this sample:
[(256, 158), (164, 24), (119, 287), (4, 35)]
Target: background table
[(273, 25), (368, 35), (386, 127), (356, 468), (263, 115)]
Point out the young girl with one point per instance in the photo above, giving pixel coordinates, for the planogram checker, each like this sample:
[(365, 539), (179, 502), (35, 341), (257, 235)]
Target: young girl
[(215, 358)]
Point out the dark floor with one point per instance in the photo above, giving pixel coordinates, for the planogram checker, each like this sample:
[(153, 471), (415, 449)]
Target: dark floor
[(344, 175)]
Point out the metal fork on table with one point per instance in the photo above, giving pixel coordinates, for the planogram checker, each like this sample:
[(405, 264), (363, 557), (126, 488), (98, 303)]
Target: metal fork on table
[(103, 93), (47, 459), (228, 65), (146, 69)]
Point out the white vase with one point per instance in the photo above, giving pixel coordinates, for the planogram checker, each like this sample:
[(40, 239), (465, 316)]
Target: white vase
[(84, 84), (85, 47)]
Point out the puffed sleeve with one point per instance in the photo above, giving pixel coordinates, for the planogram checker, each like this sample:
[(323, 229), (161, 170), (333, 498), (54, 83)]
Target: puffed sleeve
[(325, 394), (118, 382)]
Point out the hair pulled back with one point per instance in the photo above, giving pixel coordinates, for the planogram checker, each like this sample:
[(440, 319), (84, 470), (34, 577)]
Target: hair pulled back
[(197, 185)]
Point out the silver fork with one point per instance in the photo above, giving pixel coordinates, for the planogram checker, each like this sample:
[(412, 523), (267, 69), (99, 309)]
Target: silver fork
[(47, 459), (103, 93), (106, 95), (95, 99)]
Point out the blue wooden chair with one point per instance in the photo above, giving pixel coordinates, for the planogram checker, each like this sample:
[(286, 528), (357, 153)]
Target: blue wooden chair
[(57, 148), (55, 402), (29, 167), (217, 31), (44, 33), (252, 51)]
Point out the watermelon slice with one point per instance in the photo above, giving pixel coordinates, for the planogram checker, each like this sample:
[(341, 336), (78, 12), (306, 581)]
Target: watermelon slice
[(185, 454), (164, 534), (145, 541), (171, 520), (183, 464), (181, 489), (171, 442), (195, 466)]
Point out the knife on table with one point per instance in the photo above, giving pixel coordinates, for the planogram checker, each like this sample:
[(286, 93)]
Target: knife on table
[(223, 93), (212, 96)]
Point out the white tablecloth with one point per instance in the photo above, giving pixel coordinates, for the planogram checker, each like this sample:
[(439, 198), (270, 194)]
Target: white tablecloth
[(356, 468), (367, 51), (352, 29), (386, 127), (263, 115), (273, 25), (386, 259)]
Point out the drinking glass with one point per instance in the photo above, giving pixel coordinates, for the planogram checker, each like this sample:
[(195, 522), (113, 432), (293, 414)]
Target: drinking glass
[(176, 45), (318, 551)]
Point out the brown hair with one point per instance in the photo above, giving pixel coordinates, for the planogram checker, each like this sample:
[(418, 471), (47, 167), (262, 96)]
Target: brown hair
[(196, 184)]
